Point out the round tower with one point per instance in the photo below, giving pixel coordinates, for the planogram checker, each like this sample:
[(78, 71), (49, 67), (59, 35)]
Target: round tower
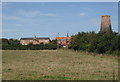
[(105, 24)]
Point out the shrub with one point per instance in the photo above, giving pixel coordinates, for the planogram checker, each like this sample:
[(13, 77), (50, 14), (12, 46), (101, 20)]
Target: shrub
[(14, 45), (95, 42)]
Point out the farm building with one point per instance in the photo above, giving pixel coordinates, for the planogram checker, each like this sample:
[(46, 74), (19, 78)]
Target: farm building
[(35, 40), (63, 41)]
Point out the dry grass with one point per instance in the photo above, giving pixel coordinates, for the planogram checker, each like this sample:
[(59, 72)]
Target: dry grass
[(0, 65), (57, 65)]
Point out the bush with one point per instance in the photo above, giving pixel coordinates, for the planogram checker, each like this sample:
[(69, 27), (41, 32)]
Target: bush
[(95, 42), (14, 45)]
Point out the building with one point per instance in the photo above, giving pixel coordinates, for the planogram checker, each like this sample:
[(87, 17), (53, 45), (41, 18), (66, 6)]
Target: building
[(4, 41), (63, 41), (106, 24), (35, 40)]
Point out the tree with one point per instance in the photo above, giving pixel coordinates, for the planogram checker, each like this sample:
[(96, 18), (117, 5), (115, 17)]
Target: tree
[(95, 42)]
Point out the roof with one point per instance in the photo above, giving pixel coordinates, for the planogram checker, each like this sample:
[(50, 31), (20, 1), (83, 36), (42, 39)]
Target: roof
[(39, 38), (60, 38), (3, 39)]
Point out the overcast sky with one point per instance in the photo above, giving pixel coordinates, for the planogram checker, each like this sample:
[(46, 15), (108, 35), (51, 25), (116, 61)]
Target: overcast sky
[(47, 19)]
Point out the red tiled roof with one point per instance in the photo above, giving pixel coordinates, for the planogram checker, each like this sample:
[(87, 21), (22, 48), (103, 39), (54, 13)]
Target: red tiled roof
[(60, 38)]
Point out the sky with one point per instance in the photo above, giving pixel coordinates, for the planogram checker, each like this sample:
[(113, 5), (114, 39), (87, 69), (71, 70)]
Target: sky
[(60, 0), (119, 18), (47, 19)]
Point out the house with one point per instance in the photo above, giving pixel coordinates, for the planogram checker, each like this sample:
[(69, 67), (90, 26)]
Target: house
[(35, 40), (63, 41), (4, 41)]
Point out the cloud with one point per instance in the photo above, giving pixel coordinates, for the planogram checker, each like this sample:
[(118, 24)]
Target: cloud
[(28, 13), (8, 30), (87, 9), (82, 14), (11, 18), (34, 13), (17, 25), (48, 14)]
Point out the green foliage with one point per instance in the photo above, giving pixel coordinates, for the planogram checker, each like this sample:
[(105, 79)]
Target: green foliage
[(93, 42), (15, 45), (14, 42)]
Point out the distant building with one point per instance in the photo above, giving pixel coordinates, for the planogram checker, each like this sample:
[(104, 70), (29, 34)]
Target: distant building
[(4, 41), (106, 24), (35, 40), (63, 41)]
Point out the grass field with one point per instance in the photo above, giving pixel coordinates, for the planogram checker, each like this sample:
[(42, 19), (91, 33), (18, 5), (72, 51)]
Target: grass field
[(0, 65), (57, 65)]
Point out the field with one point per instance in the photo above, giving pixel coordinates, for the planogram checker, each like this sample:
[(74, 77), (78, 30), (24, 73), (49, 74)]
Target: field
[(57, 65)]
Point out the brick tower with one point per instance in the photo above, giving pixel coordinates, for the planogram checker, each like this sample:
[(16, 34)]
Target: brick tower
[(106, 24)]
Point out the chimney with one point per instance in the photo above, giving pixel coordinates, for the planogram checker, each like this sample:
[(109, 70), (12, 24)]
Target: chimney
[(67, 34), (106, 24)]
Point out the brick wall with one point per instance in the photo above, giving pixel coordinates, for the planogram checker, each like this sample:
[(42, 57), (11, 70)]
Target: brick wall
[(26, 42)]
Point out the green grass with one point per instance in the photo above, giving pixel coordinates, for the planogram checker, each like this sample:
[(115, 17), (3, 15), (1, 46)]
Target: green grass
[(57, 65)]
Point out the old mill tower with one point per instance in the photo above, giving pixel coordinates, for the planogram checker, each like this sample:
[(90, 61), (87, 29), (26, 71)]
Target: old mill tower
[(106, 24)]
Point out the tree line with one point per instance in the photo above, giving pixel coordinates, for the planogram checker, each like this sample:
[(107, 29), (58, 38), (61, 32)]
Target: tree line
[(10, 44), (108, 43)]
